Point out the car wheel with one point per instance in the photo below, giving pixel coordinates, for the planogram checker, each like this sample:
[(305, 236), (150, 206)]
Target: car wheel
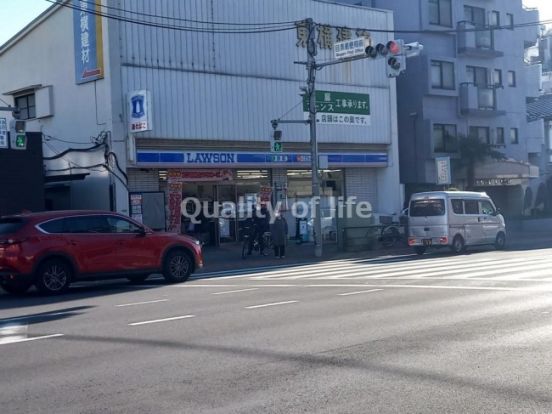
[(177, 266), (53, 277), (419, 250), (137, 278), (500, 242), (458, 245), (15, 287)]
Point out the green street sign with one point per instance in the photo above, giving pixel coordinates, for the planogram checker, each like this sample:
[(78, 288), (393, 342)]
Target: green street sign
[(276, 146)]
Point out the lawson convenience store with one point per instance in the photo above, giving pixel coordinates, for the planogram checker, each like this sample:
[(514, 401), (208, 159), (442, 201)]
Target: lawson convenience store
[(245, 178)]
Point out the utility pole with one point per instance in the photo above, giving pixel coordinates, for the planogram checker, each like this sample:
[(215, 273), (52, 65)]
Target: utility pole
[(311, 91)]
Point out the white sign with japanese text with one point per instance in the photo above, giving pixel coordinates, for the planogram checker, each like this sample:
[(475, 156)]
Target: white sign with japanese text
[(350, 48), (443, 170), (140, 111), (3, 133)]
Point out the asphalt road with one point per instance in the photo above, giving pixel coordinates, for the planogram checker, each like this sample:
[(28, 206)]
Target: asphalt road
[(441, 333)]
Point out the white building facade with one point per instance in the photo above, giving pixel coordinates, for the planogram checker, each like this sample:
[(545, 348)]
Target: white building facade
[(207, 98)]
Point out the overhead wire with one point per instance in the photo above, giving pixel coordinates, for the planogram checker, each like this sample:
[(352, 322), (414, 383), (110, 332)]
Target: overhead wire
[(268, 27), (189, 20), (246, 30)]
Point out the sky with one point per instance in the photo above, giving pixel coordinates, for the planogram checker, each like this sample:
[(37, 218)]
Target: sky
[(15, 14)]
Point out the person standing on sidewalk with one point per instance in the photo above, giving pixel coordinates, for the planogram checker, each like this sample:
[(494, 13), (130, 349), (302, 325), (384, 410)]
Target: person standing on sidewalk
[(279, 231)]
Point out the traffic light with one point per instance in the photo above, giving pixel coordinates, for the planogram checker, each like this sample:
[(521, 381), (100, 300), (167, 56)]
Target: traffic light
[(19, 136), (397, 60), (379, 50), (276, 141)]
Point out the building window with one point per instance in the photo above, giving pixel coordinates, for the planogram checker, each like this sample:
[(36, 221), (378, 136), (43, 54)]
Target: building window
[(482, 133), (497, 77), (26, 105), (494, 19), (514, 136), (511, 78), (444, 138), (500, 136), (477, 76), (440, 12), (442, 75), (510, 21), (475, 15)]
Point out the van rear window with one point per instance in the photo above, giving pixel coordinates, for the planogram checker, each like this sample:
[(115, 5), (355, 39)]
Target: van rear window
[(427, 208), (10, 225)]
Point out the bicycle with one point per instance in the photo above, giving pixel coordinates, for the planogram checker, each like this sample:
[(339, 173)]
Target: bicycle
[(267, 240), (390, 235)]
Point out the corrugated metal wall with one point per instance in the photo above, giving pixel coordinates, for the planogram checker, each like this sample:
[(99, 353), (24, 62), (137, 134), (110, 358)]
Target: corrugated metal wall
[(214, 86)]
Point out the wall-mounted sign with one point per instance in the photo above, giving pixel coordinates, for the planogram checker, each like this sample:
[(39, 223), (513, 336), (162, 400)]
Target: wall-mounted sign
[(3, 133), (88, 39), (442, 165), (496, 182), (256, 159), (340, 108), (139, 111)]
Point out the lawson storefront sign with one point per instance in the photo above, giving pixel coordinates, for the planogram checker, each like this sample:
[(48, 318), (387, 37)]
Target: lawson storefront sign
[(255, 159)]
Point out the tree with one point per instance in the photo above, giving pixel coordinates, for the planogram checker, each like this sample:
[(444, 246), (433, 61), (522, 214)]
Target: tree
[(472, 151)]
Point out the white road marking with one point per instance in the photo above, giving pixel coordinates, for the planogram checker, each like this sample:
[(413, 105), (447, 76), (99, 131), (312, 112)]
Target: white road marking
[(358, 292), (141, 303), (17, 339), (174, 318), (233, 291), (271, 304)]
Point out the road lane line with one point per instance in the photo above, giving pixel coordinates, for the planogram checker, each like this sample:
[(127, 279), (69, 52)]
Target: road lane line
[(358, 292), (174, 318), (141, 303), (271, 304), (233, 291), (15, 340)]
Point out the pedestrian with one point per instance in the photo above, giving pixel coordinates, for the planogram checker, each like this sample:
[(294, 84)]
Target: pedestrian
[(279, 231), (261, 220)]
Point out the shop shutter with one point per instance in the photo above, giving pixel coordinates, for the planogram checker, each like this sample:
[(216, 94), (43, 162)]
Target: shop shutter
[(362, 183), (143, 180)]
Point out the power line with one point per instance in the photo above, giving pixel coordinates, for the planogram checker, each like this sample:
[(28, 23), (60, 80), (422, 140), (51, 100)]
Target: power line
[(270, 24), (176, 27), (270, 27), (5, 102)]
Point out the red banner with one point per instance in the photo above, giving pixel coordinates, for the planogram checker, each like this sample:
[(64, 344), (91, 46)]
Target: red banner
[(175, 201), (178, 175)]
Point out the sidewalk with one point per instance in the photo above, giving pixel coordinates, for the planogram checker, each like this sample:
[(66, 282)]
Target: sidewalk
[(228, 256)]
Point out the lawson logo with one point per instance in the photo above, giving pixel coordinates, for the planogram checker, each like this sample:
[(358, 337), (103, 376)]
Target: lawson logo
[(210, 157)]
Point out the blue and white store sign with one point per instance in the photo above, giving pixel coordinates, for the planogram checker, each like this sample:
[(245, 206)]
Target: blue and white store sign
[(139, 111), (254, 159)]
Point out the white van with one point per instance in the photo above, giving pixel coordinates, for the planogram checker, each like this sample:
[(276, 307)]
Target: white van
[(454, 219)]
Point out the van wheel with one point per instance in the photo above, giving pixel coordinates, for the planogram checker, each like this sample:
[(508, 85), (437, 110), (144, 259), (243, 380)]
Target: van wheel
[(500, 242), (53, 277), (458, 245), (419, 250)]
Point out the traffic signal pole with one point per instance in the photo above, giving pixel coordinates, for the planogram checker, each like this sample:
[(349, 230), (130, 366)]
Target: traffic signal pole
[(395, 66), (311, 92)]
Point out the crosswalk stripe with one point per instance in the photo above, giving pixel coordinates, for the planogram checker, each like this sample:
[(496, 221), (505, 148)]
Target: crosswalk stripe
[(367, 272)]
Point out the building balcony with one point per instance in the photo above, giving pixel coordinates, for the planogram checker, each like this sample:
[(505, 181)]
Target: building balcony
[(479, 101), (478, 44)]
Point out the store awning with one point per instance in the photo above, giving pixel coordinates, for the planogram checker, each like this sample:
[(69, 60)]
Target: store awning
[(507, 172)]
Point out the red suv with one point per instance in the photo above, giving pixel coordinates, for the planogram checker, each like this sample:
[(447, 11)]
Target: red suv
[(53, 249)]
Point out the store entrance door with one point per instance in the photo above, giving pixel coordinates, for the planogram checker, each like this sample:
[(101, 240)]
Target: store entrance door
[(227, 226)]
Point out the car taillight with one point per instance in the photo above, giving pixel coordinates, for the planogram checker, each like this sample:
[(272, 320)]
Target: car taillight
[(443, 240), (411, 241)]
